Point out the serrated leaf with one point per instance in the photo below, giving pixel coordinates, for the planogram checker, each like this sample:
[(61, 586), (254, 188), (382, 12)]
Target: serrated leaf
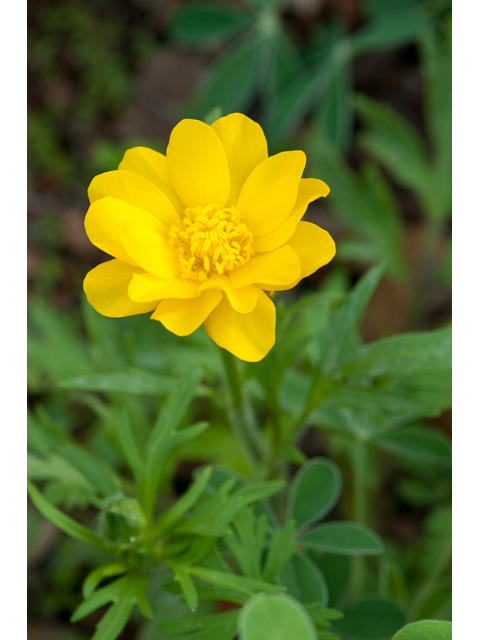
[(62, 521), (426, 630), (275, 616), (314, 491), (348, 538)]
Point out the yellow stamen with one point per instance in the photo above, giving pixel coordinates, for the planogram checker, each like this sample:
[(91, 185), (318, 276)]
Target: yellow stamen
[(210, 239)]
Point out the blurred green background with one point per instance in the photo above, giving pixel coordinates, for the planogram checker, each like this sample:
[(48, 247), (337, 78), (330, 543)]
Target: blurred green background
[(362, 86)]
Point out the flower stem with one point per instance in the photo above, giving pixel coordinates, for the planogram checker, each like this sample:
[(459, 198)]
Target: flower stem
[(241, 416)]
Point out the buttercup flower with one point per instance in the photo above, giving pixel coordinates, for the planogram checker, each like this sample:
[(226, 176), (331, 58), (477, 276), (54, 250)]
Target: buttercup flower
[(205, 233)]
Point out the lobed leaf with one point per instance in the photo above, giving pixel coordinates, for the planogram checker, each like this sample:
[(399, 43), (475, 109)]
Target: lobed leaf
[(62, 521)]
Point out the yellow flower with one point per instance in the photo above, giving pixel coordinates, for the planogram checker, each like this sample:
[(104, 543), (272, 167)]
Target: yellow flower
[(200, 235)]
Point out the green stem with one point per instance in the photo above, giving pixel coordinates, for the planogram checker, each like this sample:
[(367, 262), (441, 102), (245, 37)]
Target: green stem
[(241, 416), (443, 560), (359, 468)]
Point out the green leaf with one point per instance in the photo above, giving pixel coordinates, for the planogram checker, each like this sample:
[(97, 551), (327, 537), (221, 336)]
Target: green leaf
[(218, 626), (365, 204), (371, 618), (275, 616), (231, 581), (436, 603), (62, 521), (230, 80), (134, 382), (114, 620), (94, 578), (186, 502), (336, 113), (258, 491), (314, 491), (405, 355), (390, 30), (164, 436), (426, 630), (247, 541), (95, 471), (200, 527), (129, 444), (123, 593), (348, 538), (303, 580), (340, 339), (336, 569), (394, 142), (293, 101), (416, 443), (182, 575), (202, 23), (282, 546)]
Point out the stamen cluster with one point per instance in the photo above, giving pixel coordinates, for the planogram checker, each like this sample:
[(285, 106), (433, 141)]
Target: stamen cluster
[(211, 238)]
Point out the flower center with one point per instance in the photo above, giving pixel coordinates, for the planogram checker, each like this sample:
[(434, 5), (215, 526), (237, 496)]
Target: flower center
[(209, 239)]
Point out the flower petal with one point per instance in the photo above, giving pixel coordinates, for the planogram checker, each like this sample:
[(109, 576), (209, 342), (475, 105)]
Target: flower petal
[(242, 300), (313, 245), (277, 267), (149, 250), (106, 289), (270, 191), (145, 287), (310, 189), (105, 219), (197, 164), (249, 336), (182, 317), (245, 146), (131, 187), (152, 166)]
